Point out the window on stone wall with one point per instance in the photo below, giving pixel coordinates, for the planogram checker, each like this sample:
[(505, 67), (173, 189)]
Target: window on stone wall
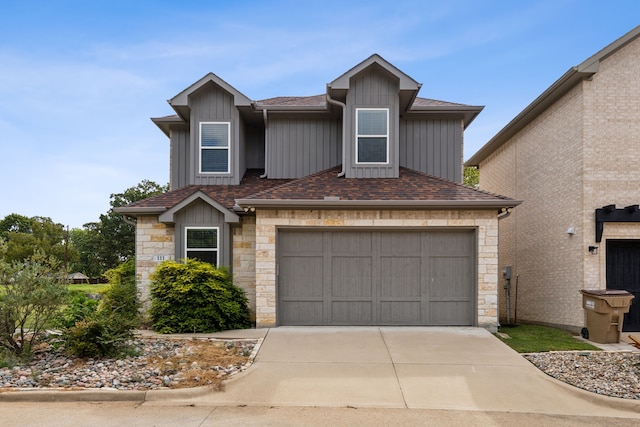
[(202, 244)]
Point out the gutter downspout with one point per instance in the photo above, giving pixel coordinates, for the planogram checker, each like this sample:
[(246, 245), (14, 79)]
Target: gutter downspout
[(344, 131), (266, 144)]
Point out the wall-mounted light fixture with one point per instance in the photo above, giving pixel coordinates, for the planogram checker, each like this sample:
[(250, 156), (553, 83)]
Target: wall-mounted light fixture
[(571, 231), (593, 250)]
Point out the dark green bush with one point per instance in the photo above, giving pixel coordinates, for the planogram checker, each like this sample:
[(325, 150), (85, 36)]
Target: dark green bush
[(195, 296)]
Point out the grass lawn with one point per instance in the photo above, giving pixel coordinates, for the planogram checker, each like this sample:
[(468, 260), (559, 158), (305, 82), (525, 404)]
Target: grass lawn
[(538, 339), (88, 289)]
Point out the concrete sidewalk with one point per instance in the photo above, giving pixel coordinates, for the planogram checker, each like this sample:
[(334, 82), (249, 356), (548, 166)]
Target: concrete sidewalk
[(396, 367)]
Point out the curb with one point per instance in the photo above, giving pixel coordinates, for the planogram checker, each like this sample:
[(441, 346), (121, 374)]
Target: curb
[(114, 395), (594, 398)]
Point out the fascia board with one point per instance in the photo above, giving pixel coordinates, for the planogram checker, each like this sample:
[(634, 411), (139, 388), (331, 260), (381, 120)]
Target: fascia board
[(406, 82), (181, 99), (379, 204), (133, 211)]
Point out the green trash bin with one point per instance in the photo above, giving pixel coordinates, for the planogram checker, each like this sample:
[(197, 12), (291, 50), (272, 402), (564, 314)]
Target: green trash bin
[(605, 310)]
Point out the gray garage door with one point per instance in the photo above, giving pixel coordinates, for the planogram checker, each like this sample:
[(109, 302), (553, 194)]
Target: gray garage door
[(389, 277)]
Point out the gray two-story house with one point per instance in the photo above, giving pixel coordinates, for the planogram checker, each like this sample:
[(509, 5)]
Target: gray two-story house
[(344, 208)]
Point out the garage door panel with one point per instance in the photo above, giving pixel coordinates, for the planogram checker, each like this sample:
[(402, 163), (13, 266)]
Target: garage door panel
[(400, 312), (301, 242), (357, 242), (450, 313), (401, 277), (450, 278), (301, 277), (351, 277), (398, 242), (451, 243), (300, 313), (352, 313)]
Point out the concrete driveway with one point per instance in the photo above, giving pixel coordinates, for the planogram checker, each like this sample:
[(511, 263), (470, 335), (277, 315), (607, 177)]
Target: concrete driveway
[(396, 367)]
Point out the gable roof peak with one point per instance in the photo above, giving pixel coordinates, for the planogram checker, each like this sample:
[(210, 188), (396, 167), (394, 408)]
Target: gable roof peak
[(406, 81), (180, 102)]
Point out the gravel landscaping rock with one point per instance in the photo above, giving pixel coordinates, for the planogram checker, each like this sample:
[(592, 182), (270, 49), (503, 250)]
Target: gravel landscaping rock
[(52, 368), (615, 374)]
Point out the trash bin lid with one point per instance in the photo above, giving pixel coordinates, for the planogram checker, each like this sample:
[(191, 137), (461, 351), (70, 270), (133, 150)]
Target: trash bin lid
[(615, 298), (606, 292)]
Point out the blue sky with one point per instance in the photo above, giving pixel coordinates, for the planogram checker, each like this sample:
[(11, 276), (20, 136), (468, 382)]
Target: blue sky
[(79, 80)]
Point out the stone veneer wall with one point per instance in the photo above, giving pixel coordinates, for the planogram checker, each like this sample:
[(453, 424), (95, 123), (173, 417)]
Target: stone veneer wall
[(244, 259), (486, 223), (154, 244)]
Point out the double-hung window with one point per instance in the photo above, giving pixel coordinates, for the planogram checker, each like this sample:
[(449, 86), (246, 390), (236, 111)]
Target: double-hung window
[(202, 243), (214, 147), (372, 135)]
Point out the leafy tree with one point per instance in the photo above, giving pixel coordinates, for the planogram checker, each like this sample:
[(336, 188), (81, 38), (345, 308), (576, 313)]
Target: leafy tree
[(471, 177), (26, 236), (32, 292), (85, 241), (110, 241)]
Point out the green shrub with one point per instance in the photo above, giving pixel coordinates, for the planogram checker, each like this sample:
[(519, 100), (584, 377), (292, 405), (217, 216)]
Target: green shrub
[(195, 296), (31, 294), (95, 336), (121, 297), (103, 328), (79, 307)]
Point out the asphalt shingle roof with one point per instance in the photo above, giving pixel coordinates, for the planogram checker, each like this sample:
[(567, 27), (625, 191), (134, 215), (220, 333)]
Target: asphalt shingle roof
[(223, 194), (410, 185)]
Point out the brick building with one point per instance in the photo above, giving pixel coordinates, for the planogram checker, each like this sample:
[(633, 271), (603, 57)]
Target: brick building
[(572, 156)]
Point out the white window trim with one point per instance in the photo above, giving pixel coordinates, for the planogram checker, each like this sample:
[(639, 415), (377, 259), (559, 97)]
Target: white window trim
[(217, 249), (228, 148), (371, 136)]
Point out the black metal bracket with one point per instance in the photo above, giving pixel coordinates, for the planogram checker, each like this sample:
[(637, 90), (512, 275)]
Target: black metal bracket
[(609, 213)]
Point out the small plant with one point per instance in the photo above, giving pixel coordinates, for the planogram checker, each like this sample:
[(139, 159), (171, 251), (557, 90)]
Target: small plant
[(31, 294), (79, 307), (102, 329), (195, 296)]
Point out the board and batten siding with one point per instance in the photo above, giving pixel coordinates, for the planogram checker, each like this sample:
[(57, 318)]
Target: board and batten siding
[(179, 161), (302, 146), (212, 104), (254, 147), (432, 146), (201, 214), (372, 88)]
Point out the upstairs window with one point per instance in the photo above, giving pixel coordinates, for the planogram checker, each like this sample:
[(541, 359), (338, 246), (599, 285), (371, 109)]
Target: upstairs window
[(201, 243), (372, 135), (214, 147)]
